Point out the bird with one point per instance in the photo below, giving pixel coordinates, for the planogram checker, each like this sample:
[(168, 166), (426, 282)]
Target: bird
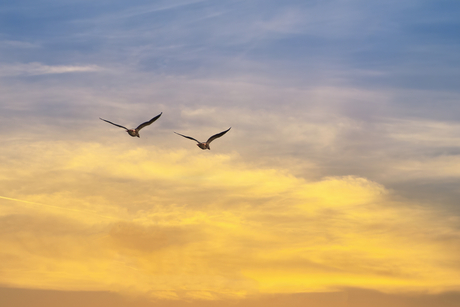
[(134, 132), (205, 145)]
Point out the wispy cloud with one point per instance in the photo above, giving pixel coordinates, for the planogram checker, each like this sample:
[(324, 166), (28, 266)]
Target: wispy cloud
[(18, 44), (34, 69)]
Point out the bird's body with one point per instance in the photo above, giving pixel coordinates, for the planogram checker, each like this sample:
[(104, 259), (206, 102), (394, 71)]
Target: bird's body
[(134, 132), (205, 145)]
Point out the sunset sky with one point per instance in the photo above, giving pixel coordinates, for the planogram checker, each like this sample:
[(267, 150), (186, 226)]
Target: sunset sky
[(337, 186)]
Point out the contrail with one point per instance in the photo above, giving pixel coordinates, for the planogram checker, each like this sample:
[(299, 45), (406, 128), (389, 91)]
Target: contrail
[(61, 208)]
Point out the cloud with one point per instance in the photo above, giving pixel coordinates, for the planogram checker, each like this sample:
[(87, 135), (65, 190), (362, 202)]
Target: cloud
[(35, 69), (187, 225), (18, 44), (424, 132)]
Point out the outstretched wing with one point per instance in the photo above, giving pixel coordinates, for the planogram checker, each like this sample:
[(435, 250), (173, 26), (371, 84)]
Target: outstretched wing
[(215, 136), (149, 122), (188, 137), (113, 123)]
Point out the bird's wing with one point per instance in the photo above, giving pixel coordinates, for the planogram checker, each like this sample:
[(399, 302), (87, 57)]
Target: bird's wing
[(149, 122), (188, 137), (113, 123), (215, 136)]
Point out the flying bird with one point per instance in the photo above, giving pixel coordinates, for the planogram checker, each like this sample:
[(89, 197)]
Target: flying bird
[(135, 132), (205, 145)]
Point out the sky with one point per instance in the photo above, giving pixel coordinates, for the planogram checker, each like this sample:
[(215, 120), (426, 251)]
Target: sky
[(337, 185)]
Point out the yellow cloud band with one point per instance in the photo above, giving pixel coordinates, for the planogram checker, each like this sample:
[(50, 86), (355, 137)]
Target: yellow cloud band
[(185, 224)]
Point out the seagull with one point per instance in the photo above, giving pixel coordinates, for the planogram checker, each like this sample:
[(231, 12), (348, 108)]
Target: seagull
[(205, 145), (135, 132)]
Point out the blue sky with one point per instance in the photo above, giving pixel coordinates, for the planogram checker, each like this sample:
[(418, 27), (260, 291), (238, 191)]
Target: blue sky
[(365, 93), (408, 45), (201, 35)]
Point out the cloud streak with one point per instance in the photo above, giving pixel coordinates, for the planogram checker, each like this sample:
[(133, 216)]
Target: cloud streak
[(36, 69)]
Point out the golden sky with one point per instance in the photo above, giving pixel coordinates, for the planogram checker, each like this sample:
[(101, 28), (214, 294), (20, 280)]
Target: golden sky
[(192, 225)]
